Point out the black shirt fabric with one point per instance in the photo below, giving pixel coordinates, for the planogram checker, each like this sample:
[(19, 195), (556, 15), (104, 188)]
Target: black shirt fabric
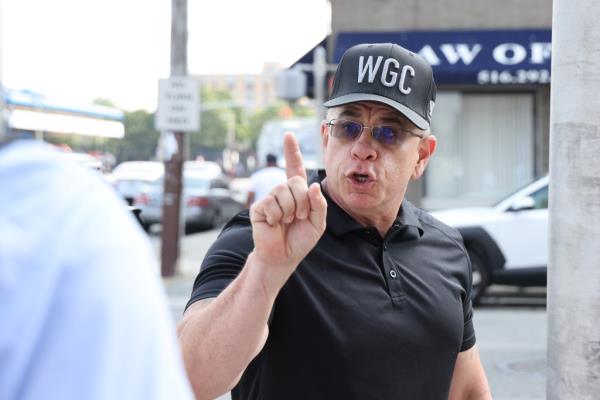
[(362, 317)]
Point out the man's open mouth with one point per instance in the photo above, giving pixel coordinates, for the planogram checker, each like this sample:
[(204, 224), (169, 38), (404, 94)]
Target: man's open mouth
[(360, 178)]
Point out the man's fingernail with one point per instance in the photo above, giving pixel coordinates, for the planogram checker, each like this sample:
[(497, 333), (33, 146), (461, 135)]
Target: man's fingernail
[(303, 215)]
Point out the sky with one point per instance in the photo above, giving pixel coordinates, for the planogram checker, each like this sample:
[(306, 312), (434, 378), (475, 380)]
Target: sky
[(80, 50)]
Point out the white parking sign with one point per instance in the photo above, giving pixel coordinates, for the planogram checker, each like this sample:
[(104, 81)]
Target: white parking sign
[(177, 105)]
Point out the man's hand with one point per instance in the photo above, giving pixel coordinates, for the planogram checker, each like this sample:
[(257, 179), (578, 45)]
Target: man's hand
[(288, 223)]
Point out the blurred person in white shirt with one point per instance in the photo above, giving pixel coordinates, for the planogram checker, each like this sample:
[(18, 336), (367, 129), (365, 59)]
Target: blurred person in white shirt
[(82, 308), (265, 179)]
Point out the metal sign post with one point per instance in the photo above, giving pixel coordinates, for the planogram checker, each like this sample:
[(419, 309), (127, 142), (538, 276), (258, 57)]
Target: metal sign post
[(177, 112)]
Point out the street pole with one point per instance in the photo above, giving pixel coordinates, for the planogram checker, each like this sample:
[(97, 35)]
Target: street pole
[(174, 164), (319, 75), (574, 266)]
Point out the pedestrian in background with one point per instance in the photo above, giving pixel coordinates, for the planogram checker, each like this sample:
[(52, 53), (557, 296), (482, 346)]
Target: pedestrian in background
[(83, 314), (264, 180), (340, 288)]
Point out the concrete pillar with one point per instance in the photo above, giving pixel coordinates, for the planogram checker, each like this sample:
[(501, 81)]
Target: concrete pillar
[(574, 259)]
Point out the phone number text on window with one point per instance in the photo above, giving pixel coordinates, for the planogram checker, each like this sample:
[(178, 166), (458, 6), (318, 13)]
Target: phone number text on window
[(520, 76)]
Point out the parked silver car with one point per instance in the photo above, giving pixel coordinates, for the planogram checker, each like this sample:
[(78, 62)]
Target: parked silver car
[(207, 202), (131, 176)]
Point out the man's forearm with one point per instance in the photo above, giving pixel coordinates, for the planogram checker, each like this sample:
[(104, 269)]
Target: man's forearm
[(469, 381), (220, 339)]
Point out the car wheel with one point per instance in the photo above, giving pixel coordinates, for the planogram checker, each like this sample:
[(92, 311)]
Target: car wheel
[(481, 278)]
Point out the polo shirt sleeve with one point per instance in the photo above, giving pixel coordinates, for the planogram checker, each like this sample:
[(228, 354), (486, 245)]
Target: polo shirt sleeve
[(469, 330), (225, 259)]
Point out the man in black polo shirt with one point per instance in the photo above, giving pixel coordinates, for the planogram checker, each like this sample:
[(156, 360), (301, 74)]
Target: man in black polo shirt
[(342, 289)]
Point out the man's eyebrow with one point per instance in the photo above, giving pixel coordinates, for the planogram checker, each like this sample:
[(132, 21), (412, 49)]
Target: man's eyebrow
[(393, 120), (400, 120), (349, 112)]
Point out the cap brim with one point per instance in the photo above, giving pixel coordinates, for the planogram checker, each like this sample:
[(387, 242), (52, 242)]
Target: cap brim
[(415, 118)]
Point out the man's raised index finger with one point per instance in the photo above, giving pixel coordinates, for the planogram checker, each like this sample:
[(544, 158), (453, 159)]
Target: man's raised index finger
[(294, 166)]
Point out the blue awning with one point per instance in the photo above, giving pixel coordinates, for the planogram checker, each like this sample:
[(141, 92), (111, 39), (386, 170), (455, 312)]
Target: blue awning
[(488, 57), (37, 101), (29, 111), (308, 58)]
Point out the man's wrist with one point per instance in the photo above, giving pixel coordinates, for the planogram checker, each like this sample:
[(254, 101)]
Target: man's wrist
[(269, 278)]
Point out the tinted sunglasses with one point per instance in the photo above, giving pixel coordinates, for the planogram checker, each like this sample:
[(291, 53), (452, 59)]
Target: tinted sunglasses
[(389, 135)]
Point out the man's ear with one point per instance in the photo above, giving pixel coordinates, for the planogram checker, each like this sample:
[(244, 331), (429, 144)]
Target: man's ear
[(426, 149)]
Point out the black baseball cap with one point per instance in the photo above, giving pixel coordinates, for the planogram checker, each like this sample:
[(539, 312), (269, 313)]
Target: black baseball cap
[(386, 73)]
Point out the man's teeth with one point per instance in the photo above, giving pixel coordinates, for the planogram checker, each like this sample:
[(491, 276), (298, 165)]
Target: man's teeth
[(361, 178)]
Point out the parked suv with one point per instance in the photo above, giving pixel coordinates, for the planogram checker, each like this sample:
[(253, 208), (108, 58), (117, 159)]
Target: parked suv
[(507, 243)]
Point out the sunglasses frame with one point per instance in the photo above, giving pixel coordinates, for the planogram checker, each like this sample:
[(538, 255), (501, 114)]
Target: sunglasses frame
[(373, 129)]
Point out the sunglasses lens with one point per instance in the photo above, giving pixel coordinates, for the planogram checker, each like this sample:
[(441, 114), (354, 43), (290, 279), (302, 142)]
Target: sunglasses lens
[(385, 134), (348, 129)]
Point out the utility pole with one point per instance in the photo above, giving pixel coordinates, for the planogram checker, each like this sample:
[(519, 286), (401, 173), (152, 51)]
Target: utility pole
[(174, 163), (319, 75), (574, 266), (319, 69)]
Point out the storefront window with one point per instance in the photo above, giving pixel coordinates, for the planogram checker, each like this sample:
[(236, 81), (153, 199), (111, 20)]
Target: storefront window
[(485, 148)]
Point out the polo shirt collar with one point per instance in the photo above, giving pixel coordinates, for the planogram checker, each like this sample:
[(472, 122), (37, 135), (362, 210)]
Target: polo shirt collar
[(340, 223), (407, 217)]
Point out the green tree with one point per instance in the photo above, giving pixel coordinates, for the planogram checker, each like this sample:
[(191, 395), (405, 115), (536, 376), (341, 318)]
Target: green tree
[(102, 101), (140, 139), (303, 110), (213, 123), (258, 119)]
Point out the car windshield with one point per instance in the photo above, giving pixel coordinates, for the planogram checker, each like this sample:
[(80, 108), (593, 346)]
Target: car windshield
[(514, 192), (148, 171), (139, 166)]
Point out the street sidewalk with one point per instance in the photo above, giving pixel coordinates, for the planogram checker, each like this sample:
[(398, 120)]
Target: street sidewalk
[(193, 247)]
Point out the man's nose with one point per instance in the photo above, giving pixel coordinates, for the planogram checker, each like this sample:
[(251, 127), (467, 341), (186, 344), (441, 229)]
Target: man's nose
[(363, 148)]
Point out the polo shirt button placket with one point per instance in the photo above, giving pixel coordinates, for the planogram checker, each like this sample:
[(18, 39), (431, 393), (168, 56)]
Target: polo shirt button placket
[(393, 277)]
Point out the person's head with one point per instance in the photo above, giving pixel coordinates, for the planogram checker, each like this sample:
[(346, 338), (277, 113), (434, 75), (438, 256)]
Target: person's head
[(376, 136), (271, 160)]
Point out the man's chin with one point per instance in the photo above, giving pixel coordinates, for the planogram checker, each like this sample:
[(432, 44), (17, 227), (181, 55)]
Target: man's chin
[(360, 201)]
